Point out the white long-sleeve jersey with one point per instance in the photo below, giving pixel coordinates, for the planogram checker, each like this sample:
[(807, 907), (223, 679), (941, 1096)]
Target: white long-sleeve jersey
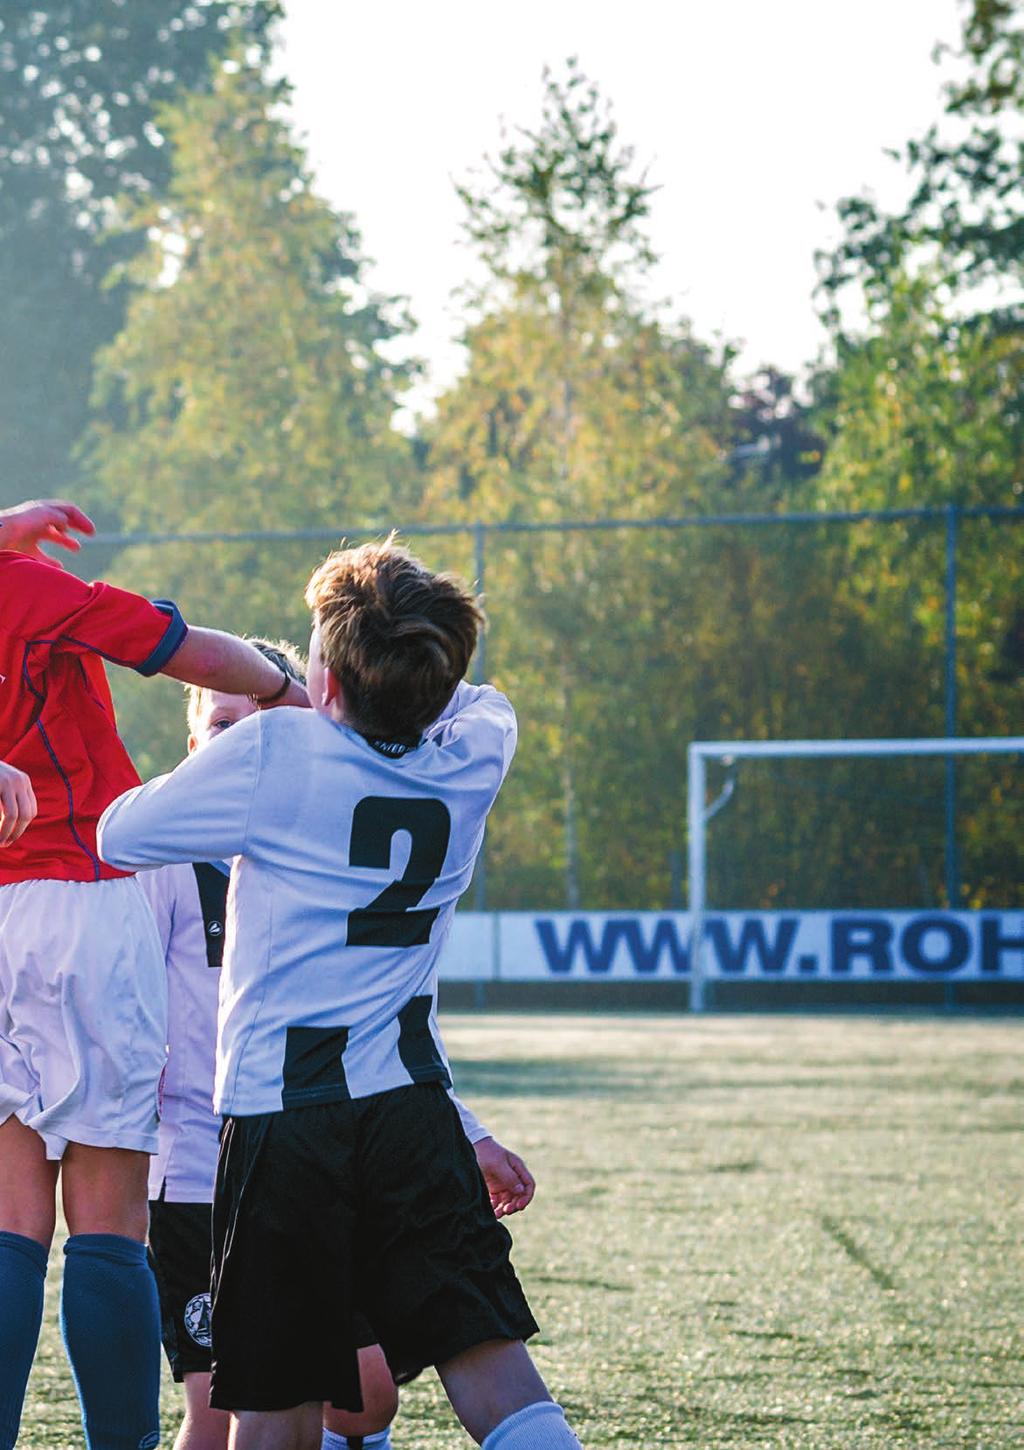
[(351, 861), (189, 904)]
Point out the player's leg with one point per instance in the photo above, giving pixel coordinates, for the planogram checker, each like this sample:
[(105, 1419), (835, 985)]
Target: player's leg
[(27, 1213), (440, 1287), (202, 1428), (109, 1311), (502, 1401), (180, 1240), (88, 1015), (371, 1428), (297, 1429), (282, 1282), (105, 1191), (28, 1179)]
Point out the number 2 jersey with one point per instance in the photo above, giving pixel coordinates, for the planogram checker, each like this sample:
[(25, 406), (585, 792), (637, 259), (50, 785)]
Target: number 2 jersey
[(352, 857), (190, 907)]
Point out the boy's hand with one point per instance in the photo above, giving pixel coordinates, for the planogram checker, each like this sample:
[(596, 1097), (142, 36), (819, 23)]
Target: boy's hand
[(509, 1181), (17, 803), (47, 520)]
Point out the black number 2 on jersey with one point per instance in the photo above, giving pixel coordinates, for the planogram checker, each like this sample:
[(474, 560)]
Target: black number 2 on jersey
[(394, 918)]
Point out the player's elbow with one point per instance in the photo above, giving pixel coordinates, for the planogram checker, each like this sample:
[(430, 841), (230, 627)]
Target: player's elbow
[(114, 842)]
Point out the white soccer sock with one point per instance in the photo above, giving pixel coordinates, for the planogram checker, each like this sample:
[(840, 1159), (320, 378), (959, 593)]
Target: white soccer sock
[(380, 1441), (539, 1427)]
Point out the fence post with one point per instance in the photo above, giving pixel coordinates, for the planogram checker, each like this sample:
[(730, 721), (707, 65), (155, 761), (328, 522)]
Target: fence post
[(479, 676), (952, 861), (696, 843)]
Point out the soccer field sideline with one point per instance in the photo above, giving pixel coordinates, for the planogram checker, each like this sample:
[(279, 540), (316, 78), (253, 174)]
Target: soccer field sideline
[(749, 1231)]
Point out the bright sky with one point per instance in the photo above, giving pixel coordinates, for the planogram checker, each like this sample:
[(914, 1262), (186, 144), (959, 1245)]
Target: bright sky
[(753, 117)]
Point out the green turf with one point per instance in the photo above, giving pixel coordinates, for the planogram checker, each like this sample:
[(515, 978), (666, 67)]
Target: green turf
[(750, 1232)]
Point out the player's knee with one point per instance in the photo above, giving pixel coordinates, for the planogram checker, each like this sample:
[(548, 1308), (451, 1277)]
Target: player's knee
[(380, 1393), (203, 1427), (28, 1182), (36, 1221), (380, 1398), (104, 1190)]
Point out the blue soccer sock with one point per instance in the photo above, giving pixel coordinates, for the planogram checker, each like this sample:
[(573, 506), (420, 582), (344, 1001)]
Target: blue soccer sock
[(22, 1273), (110, 1317), (539, 1427)]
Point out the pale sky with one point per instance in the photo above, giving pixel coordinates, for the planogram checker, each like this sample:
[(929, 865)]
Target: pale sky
[(752, 116)]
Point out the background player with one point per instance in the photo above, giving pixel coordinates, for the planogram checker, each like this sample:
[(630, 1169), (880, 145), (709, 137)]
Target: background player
[(82, 983), (190, 906), (345, 1178)]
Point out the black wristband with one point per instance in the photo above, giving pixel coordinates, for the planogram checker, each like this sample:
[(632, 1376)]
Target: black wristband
[(261, 700)]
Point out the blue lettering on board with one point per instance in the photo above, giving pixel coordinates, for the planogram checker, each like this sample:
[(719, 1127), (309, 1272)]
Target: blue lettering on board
[(994, 944), (645, 957), (770, 954), (869, 937), (955, 945)]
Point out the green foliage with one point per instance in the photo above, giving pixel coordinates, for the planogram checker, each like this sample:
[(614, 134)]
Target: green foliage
[(80, 88), (248, 387), (966, 210)]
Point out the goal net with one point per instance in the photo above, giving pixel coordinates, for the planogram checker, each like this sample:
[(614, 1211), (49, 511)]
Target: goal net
[(855, 858)]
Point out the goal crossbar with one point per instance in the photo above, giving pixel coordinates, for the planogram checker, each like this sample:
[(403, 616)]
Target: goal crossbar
[(699, 813)]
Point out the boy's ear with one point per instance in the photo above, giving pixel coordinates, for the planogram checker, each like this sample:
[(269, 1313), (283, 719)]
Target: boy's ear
[(193, 745), (331, 693)]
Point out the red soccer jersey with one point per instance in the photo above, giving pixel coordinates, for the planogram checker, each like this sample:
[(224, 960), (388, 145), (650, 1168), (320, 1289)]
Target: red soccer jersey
[(56, 715)]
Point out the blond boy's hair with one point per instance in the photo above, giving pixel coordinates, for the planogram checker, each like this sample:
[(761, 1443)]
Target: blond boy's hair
[(396, 637), (280, 653)]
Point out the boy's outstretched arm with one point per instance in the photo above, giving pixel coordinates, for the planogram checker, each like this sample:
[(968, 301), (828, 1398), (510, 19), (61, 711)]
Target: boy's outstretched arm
[(204, 657), (223, 662), (200, 812)]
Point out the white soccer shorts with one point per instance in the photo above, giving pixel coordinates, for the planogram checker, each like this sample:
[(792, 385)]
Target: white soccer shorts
[(83, 1013)]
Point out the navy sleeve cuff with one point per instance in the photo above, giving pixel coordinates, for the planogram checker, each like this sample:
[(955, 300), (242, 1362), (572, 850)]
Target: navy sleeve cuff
[(174, 637)]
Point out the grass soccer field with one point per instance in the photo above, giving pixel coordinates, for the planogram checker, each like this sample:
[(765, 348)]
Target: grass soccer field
[(749, 1232)]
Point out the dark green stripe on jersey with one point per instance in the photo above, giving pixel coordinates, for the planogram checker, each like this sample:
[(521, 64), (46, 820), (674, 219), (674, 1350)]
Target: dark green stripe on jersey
[(416, 1045), (314, 1070), (213, 901)]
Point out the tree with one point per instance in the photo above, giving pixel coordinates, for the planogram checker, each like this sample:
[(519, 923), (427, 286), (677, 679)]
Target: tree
[(248, 387), (579, 402), (81, 85), (927, 407), (965, 214)]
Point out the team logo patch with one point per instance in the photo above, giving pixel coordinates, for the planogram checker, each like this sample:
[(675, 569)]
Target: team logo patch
[(197, 1320), (214, 928)]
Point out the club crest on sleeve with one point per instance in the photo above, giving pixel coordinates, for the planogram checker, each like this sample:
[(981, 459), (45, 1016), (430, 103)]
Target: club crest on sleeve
[(197, 1320)]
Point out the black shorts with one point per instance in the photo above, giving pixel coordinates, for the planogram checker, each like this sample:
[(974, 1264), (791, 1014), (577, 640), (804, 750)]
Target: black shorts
[(179, 1252), (376, 1203)]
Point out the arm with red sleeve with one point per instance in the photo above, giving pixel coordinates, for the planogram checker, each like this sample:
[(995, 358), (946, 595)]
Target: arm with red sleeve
[(45, 605)]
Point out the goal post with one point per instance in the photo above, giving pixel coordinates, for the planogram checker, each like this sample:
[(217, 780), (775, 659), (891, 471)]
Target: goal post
[(699, 812)]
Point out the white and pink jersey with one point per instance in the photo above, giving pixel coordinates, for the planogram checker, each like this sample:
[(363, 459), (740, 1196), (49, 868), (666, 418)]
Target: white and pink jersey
[(185, 1165)]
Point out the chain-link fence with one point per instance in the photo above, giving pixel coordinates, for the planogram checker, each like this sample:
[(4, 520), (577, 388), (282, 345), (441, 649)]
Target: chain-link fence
[(620, 641)]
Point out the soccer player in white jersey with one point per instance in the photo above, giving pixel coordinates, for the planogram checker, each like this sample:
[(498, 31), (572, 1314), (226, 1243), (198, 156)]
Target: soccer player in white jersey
[(189, 904), (82, 983), (345, 1180)]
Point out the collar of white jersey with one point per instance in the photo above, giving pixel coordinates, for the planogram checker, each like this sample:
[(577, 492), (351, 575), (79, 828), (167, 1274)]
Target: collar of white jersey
[(393, 750)]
